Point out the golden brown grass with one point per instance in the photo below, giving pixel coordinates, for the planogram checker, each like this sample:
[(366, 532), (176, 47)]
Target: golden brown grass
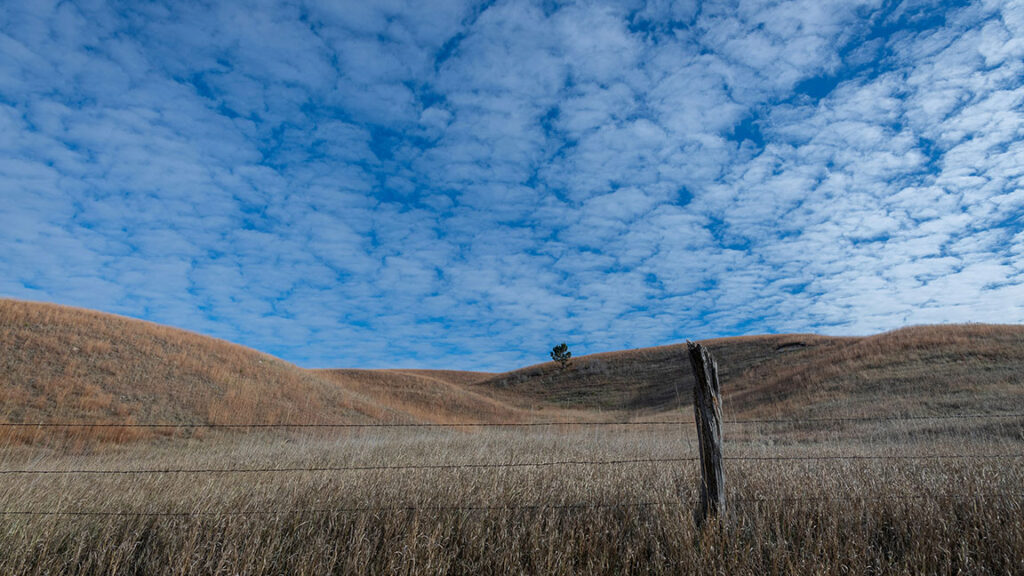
[(845, 516), (913, 371), (448, 397), (647, 380), (427, 397), (66, 364), (63, 364), (925, 370), (785, 517)]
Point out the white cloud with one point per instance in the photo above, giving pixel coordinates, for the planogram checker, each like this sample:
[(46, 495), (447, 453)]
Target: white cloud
[(445, 184)]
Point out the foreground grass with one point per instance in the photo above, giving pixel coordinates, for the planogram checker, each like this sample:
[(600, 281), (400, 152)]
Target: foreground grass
[(843, 516)]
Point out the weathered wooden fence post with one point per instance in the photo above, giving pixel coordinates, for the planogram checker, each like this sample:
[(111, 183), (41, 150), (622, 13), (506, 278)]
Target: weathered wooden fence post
[(707, 411)]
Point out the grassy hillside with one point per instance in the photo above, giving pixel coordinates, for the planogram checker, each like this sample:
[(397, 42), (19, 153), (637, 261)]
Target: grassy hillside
[(428, 396), (550, 500), (66, 364), (62, 364), (448, 396), (919, 370), (647, 379)]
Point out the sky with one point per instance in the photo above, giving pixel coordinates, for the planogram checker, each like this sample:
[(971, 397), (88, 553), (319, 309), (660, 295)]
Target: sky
[(464, 185)]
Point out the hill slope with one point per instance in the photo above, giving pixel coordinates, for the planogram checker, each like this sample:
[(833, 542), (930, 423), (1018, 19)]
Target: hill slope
[(972, 368), (918, 370), (63, 364), (427, 396)]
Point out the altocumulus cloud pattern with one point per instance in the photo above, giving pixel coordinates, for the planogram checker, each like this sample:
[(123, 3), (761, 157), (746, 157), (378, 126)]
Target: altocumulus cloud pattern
[(452, 184)]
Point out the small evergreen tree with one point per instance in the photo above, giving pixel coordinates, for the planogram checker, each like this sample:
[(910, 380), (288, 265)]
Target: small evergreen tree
[(561, 355)]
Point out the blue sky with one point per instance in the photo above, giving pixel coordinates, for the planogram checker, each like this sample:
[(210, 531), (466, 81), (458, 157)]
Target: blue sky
[(463, 185)]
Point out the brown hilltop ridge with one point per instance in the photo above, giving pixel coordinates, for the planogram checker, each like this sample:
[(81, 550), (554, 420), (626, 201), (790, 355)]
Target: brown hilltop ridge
[(62, 364), (921, 370)]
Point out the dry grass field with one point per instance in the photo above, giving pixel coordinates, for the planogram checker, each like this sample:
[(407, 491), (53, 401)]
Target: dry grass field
[(842, 516), (895, 493)]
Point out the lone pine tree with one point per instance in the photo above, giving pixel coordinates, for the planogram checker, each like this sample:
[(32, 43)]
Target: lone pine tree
[(561, 355)]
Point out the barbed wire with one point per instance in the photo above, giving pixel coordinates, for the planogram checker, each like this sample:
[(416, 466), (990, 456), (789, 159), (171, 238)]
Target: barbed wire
[(878, 457), (370, 509), (459, 466), (361, 468), (883, 498), (181, 425), (480, 465), (683, 502), (874, 418)]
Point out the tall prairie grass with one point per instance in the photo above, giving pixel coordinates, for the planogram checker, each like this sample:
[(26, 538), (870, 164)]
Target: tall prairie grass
[(789, 511), (843, 516)]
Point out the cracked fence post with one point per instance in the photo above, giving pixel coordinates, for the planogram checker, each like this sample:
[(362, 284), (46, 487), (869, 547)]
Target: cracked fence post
[(707, 411)]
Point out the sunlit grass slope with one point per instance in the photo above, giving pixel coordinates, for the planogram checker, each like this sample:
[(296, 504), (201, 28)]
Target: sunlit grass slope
[(428, 396), (448, 397), (966, 368), (62, 364)]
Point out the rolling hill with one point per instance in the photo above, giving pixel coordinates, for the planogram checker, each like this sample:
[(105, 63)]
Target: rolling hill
[(62, 364), (923, 370)]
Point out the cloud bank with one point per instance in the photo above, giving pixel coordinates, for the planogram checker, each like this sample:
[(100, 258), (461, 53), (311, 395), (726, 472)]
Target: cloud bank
[(464, 185)]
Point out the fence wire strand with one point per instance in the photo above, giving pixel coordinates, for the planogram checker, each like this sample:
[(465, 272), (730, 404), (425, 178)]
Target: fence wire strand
[(495, 465), (478, 465), (297, 425), (682, 504)]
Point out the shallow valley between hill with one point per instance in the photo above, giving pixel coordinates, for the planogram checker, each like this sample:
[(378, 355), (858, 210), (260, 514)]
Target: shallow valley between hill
[(132, 448)]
